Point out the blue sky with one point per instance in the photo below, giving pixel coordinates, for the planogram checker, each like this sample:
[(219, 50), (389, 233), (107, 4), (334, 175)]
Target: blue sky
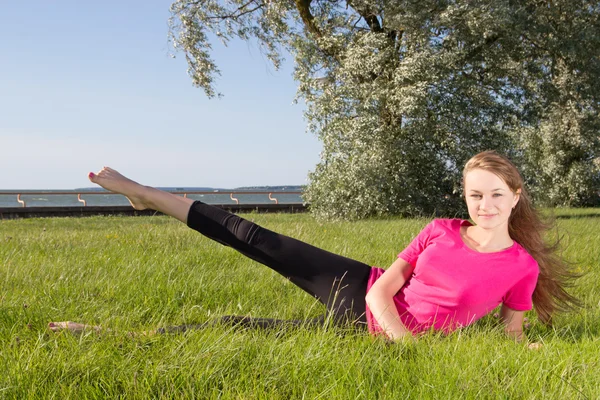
[(87, 84)]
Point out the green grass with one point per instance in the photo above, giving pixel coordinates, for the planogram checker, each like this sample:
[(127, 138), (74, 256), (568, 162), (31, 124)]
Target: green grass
[(134, 274)]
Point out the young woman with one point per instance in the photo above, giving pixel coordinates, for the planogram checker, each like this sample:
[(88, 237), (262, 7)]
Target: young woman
[(452, 274)]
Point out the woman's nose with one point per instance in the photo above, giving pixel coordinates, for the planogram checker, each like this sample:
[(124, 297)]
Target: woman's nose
[(485, 202)]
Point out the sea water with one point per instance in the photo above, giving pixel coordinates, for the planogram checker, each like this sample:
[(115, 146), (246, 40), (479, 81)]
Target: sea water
[(48, 199)]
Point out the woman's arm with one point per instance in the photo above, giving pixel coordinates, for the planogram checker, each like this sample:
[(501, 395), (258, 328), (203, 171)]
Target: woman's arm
[(513, 322), (380, 299)]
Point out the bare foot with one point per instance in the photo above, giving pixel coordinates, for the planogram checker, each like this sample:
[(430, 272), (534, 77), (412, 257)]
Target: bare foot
[(73, 327), (535, 346), (111, 180)]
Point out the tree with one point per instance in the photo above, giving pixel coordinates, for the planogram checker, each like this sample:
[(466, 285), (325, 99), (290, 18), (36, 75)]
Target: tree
[(560, 156), (403, 92)]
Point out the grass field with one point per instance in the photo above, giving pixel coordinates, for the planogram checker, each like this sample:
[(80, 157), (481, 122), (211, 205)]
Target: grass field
[(139, 273)]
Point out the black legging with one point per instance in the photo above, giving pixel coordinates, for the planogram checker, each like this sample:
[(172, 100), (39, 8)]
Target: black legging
[(338, 282)]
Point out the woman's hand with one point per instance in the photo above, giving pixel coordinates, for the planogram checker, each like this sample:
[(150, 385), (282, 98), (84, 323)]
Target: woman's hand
[(406, 339), (380, 300)]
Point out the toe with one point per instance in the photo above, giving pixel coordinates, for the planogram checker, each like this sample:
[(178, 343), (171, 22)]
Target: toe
[(57, 326)]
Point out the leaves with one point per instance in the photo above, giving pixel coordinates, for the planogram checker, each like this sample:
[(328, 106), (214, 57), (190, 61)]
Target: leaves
[(402, 93)]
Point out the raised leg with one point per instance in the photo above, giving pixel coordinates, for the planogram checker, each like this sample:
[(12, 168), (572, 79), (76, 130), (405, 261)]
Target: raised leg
[(338, 282), (142, 197)]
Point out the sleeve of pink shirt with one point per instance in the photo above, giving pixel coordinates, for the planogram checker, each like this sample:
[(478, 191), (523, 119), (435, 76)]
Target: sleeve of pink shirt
[(411, 253), (519, 296)]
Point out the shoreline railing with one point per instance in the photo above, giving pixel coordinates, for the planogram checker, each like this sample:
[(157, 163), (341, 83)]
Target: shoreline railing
[(185, 193)]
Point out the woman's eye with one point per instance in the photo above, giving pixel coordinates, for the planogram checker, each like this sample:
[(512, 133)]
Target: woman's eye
[(497, 195), (476, 196)]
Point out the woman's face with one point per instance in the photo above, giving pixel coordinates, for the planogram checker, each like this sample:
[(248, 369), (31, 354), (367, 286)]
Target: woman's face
[(489, 199)]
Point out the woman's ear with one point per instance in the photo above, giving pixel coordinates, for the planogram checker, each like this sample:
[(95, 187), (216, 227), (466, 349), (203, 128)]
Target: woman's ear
[(517, 197)]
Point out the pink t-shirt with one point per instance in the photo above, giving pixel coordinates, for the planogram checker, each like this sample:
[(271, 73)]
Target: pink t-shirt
[(453, 285)]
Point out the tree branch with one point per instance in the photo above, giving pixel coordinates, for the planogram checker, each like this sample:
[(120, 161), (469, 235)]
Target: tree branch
[(478, 49), (369, 17), (303, 7), (235, 16)]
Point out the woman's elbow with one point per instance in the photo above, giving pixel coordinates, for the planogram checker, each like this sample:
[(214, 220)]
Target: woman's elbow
[(372, 297), (376, 296), (369, 298)]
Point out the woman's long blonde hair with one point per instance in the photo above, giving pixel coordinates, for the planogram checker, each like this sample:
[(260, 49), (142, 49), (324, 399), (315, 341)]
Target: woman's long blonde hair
[(526, 227)]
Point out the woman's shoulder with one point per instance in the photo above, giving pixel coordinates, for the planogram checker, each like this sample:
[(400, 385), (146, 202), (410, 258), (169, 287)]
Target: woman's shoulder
[(525, 259), (442, 227), (452, 224)]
